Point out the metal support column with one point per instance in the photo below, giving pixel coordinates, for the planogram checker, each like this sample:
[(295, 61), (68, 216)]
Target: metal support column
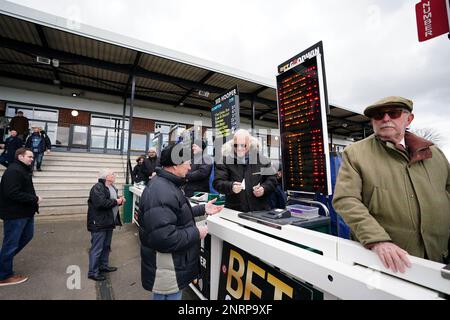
[(253, 114), (122, 141), (130, 129)]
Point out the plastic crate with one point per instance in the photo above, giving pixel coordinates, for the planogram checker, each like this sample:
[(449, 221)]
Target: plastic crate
[(302, 211)]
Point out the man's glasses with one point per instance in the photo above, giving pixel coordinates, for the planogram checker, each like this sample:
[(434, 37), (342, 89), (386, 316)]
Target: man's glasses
[(242, 145), (393, 114)]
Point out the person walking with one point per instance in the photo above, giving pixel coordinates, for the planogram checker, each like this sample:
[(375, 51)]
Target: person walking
[(37, 143), (21, 124), (18, 205), (11, 145)]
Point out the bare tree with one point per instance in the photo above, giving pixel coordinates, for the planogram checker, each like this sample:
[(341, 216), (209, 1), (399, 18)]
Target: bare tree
[(431, 134)]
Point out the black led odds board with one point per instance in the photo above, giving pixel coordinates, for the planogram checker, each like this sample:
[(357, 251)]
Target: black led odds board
[(225, 114), (302, 108)]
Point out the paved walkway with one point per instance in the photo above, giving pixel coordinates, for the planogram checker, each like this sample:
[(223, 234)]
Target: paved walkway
[(60, 245)]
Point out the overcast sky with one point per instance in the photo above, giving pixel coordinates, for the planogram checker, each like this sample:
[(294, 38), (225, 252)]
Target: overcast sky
[(371, 47)]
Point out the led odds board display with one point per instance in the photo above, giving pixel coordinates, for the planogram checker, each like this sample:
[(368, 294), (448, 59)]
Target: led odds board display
[(225, 114), (302, 108)]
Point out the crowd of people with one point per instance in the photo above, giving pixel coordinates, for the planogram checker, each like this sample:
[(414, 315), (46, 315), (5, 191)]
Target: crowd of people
[(19, 136), (393, 191)]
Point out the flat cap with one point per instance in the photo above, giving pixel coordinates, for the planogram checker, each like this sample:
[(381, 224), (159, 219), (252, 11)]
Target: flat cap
[(393, 101)]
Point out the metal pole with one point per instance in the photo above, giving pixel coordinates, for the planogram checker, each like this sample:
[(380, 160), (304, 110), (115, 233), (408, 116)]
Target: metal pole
[(130, 130), (253, 114), (123, 124)]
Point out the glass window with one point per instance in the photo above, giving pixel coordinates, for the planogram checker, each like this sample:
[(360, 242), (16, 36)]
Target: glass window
[(48, 115), (109, 122), (62, 136), (114, 139), (51, 132), (79, 136), (98, 138), (138, 142)]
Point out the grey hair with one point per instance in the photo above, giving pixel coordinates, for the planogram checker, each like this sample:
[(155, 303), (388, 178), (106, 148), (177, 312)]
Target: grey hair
[(104, 172)]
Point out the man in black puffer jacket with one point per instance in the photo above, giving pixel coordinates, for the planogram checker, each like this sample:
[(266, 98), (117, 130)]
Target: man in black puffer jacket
[(102, 218), (242, 162), (170, 239), (18, 205)]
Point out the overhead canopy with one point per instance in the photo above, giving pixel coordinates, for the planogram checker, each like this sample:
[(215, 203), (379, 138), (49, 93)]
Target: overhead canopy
[(92, 62)]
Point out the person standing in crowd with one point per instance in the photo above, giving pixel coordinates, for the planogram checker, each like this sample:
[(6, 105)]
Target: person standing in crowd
[(48, 143), (12, 144), (4, 124), (139, 171), (170, 239), (278, 198), (102, 218), (38, 144), (197, 179), (393, 189), (18, 205), (151, 163), (21, 124), (244, 176)]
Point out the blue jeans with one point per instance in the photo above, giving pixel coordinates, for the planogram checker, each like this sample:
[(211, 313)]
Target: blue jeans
[(99, 253), (16, 235), (172, 296), (38, 159)]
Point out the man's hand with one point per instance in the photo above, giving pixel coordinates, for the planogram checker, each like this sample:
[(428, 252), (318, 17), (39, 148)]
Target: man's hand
[(39, 200), (237, 187), (120, 201), (203, 230), (258, 191), (211, 209), (392, 256)]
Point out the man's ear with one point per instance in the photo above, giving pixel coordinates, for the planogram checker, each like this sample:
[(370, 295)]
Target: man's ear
[(410, 118)]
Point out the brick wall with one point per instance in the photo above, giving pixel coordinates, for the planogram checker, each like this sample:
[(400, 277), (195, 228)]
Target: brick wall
[(141, 125), (66, 118)]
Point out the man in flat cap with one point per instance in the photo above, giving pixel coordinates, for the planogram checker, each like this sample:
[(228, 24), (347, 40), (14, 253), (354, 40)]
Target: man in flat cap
[(393, 189)]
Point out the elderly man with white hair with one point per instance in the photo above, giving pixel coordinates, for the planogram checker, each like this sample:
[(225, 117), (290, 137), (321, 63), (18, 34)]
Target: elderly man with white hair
[(245, 176), (102, 218)]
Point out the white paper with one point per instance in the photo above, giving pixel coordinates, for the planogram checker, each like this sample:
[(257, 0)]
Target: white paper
[(243, 184)]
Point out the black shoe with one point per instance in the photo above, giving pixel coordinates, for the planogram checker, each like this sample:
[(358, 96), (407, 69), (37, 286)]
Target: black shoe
[(97, 278), (108, 269), (39, 169)]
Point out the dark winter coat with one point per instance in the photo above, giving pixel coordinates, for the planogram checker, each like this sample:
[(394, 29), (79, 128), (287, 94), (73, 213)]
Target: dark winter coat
[(100, 215), (197, 179), (48, 143), (20, 124), (140, 174), (150, 165), (17, 195), (11, 146), (42, 145), (232, 171), (170, 240)]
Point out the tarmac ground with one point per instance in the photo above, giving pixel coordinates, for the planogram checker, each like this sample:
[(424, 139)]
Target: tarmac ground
[(56, 262)]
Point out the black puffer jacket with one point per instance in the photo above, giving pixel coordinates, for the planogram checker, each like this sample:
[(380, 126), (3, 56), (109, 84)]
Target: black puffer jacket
[(198, 177), (100, 215), (170, 240), (232, 171), (17, 196), (150, 165), (140, 174)]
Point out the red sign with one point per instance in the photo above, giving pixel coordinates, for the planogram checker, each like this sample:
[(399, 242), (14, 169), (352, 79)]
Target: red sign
[(432, 19)]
